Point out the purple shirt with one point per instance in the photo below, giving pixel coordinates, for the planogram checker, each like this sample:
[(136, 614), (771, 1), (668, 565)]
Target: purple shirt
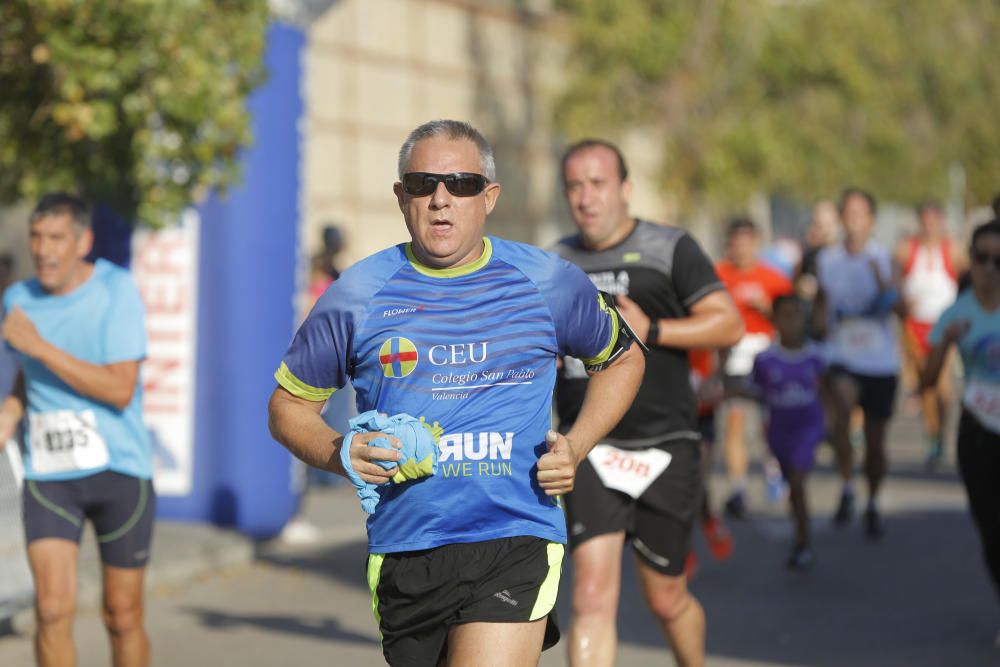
[(788, 382)]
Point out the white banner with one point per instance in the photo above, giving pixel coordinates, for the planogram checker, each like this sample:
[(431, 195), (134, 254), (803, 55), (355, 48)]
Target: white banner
[(165, 264)]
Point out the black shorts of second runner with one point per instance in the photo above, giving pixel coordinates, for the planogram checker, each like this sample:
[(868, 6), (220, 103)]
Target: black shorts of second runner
[(658, 523), (417, 596), (706, 426), (121, 507), (877, 393)]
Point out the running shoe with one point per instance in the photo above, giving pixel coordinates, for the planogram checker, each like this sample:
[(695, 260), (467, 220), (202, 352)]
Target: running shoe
[(736, 506), (935, 452), (874, 526), (845, 510), (801, 559), (720, 540), (300, 531), (777, 490), (690, 565)]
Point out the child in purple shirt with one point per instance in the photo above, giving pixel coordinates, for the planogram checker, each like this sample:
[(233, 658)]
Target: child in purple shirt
[(786, 378)]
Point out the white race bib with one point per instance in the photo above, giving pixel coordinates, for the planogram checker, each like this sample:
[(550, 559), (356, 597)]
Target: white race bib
[(982, 399), (630, 472), (741, 355), (64, 441), (574, 368), (860, 337)]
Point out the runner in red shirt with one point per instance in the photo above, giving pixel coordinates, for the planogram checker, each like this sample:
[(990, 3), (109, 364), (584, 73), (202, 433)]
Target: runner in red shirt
[(753, 286), (931, 263), (706, 381)]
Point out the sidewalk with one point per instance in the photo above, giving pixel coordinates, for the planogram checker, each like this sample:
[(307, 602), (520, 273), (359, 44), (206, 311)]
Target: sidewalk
[(182, 552), (920, 597)]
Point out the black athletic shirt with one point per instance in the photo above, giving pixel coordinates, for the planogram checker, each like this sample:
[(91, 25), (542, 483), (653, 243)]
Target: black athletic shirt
[(665, 272)]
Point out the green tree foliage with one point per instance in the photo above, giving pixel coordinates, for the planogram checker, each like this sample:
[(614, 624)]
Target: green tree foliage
[(137, 103), (798, 97)]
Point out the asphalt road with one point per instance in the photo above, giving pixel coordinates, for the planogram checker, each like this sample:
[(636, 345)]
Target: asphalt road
[(920, 597)]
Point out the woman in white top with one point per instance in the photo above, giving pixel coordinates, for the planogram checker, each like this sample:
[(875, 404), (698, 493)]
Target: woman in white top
[(931, 263)]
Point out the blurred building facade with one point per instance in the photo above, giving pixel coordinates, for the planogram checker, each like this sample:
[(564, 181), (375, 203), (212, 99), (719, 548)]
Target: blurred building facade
[(375, 69)]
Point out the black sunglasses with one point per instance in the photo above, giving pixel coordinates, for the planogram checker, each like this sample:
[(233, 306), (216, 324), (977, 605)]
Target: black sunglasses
[(985, 257), (460, 184)]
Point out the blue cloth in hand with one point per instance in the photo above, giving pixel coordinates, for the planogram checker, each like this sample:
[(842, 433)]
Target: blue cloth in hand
[(419, 451)]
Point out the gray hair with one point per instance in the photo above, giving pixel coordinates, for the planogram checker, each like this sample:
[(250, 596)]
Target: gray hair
[(62, 203), (452, 129)]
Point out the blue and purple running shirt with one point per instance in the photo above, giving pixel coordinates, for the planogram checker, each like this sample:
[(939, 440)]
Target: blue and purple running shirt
[(472, 351), (788, 382)]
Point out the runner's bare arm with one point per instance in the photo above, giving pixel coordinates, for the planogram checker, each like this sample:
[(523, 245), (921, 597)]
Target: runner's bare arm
[(609, 395), (714, 322), (820, 317), (938, 354), (12, 410), (113, 384), (900, 307), (959, 258), (296, 423), (932, 369), (899, 257)]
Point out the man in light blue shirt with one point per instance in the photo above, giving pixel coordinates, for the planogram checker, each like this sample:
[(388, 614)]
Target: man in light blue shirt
[(77, 330)]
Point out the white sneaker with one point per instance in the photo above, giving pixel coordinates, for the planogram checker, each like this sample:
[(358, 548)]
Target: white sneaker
[(299, 531)]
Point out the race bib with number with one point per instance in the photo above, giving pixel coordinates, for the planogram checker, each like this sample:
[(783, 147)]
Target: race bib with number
[(574, 368), (860, 337), (630, 472), (65, 441), (982, 399), (742, 355)]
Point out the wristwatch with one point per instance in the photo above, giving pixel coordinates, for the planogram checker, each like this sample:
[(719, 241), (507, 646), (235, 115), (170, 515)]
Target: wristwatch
[(652, 338)]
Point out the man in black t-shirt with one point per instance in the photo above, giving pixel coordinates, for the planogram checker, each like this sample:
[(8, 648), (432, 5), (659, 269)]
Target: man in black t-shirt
[(642, 482)]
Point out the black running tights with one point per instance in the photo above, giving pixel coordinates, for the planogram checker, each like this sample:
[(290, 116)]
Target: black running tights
[(979, 464)]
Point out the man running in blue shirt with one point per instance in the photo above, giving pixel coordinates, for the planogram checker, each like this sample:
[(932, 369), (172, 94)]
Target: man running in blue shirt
[(79, 335), (462, 331)]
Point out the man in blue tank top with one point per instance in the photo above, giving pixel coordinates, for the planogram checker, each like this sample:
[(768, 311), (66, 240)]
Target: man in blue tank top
[(461, 331), (78, 332)]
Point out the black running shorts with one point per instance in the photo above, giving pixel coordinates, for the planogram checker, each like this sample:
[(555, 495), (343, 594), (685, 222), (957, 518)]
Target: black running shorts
[(418, 595), (876, 393), (121, 507), (658, 523)]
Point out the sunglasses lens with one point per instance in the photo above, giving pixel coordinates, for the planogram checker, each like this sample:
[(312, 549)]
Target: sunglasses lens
[(465, 185), (419, 184)]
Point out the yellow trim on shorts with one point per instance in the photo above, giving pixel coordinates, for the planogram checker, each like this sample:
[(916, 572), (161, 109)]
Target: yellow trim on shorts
[(549, 589), (297, 387), (374, 575)]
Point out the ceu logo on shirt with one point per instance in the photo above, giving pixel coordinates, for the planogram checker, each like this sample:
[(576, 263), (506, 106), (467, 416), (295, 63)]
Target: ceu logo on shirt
[(398, 357)]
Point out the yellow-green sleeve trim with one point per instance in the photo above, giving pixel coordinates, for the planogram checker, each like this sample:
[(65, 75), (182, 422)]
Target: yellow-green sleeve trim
[(605, 354), (297, 387), (455, 271), (549, 589)]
